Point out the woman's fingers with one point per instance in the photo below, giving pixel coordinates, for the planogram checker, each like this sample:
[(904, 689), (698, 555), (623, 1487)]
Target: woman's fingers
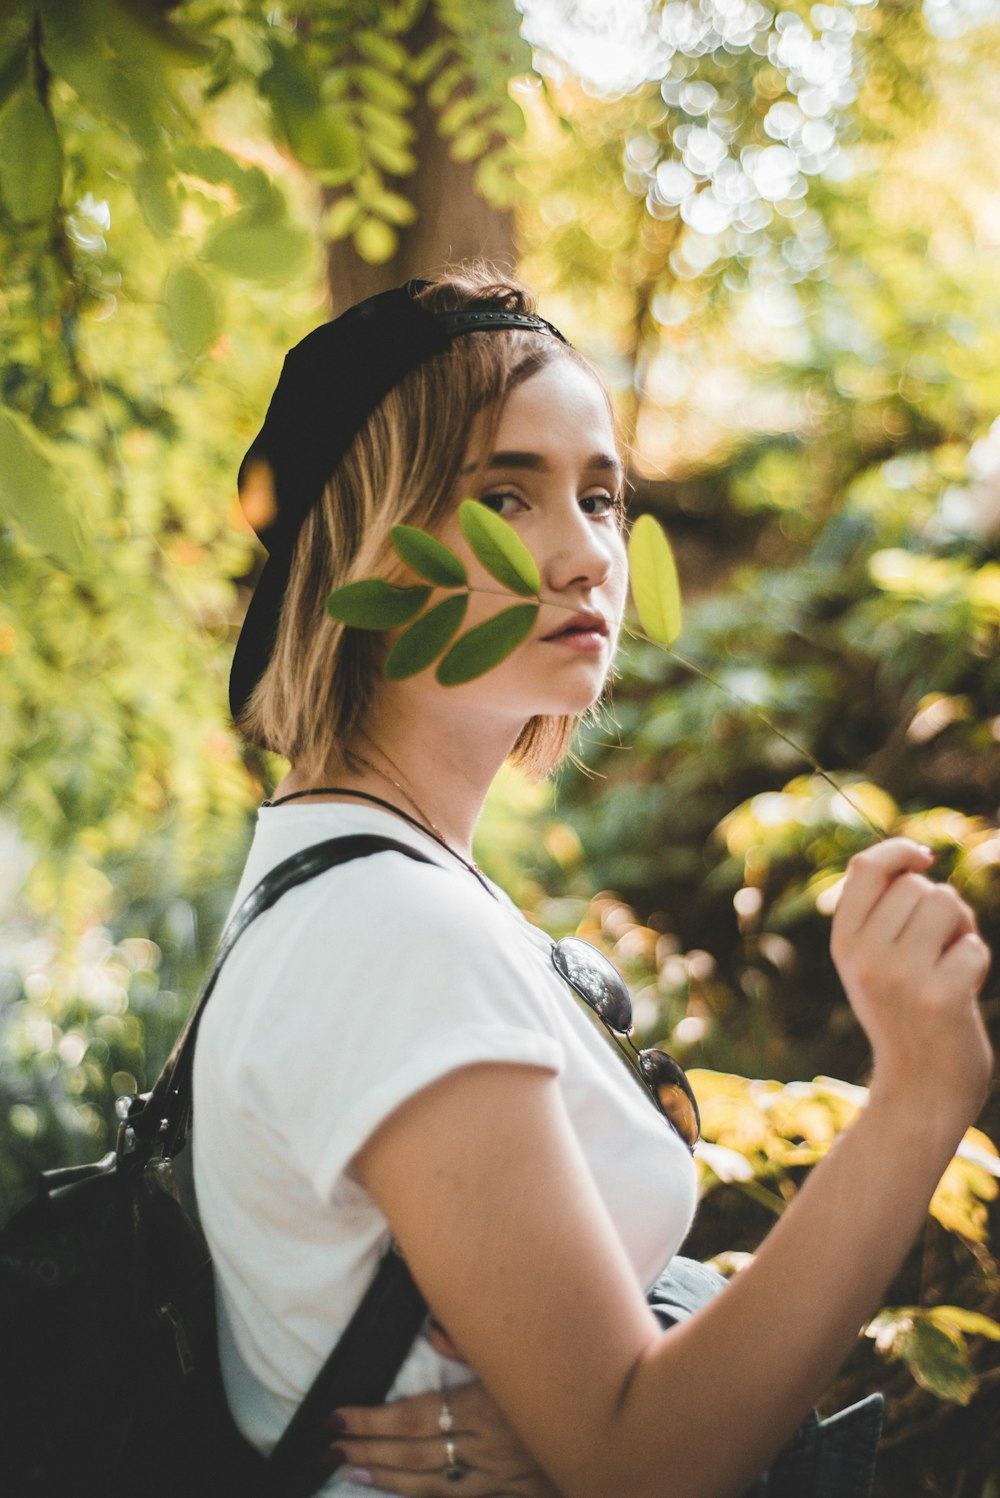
[(894, 907), (967, 960), (436, 1484), (868, 877), (428, 1454), (407, 1419), (401, 1448), (939, 918)]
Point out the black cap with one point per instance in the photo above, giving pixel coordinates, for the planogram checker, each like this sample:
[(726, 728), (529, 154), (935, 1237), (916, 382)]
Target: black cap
[(329, 385)]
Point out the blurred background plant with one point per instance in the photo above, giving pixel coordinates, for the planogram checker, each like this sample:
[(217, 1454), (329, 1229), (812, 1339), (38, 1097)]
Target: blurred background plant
[(775, 228)]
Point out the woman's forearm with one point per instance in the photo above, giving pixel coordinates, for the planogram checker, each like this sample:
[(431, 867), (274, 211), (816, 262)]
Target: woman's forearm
[(733, 1384)]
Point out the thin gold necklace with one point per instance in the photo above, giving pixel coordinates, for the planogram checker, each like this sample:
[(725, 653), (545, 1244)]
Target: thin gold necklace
[(423, 825), (370, 765)]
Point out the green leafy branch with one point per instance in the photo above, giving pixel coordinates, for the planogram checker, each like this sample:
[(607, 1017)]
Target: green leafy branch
[(374, 604)]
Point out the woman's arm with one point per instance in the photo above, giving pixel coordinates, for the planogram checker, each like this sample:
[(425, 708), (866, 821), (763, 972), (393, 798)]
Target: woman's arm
[(491, 1199)]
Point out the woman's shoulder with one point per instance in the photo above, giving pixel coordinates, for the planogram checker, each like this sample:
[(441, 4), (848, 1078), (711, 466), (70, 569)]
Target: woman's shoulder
[(417, 892)]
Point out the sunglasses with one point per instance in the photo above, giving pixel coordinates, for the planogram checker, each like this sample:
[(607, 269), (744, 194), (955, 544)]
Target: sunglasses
[(602, 988)]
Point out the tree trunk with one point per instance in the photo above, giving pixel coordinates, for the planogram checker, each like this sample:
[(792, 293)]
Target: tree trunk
[(454, 222)]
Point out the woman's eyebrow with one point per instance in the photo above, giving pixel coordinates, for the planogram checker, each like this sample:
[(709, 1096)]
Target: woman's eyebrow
[(536, 463)]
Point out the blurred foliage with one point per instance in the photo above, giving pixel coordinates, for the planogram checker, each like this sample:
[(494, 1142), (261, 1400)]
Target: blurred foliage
[(777, 233)]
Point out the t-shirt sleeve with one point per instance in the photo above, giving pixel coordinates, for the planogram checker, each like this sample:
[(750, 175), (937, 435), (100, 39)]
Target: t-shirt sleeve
[(396, 974)]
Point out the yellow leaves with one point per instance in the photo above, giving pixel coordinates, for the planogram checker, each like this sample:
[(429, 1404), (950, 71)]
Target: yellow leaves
[(776, 1128), (655, 587), (967, 1186), (931, 1342), (928, 579)]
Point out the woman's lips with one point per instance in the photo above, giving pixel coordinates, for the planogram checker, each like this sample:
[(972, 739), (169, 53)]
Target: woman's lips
[(581, 632)]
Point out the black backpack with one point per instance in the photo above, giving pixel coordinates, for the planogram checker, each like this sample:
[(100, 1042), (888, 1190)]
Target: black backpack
[(107, 1317)]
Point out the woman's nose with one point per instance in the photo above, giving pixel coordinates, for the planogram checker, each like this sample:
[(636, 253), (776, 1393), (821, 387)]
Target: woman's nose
[(578, 554)]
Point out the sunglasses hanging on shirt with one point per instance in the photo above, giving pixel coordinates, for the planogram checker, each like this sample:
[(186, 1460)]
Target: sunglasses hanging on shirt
[(602, 988)]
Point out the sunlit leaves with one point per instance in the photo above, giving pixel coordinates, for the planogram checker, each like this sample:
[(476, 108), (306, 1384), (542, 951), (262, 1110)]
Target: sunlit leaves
[(155, 194), (320, 132), (420, 645), (931, 1342), (30, 159), (193, 310), (499, 548), (33, 491), (655, 585), (258, 245), (485, 646), (428, 557), (375, 604)]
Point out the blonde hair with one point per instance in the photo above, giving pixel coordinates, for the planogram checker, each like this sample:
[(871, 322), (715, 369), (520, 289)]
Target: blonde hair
[(403, 467)]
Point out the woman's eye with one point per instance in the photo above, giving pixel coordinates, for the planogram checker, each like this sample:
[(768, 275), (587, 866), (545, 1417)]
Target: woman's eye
[(599, 504), (502, 502)]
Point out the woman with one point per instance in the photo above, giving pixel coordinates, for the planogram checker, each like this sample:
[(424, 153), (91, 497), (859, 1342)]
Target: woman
[(390, 1052)]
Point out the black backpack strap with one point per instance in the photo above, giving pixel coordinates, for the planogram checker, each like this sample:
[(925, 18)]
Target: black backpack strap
[(360, 1370), (363, 1366), (166, 1111)]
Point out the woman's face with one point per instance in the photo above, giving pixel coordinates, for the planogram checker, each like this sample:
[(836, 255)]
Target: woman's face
[(553, 471)]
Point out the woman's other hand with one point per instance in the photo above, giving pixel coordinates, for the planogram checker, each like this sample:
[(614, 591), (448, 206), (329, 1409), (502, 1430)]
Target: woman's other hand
[(401, 1448), (912, 963)]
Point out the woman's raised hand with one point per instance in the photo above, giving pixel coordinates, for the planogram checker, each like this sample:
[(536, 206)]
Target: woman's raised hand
[(912, 963), (402, 1448)]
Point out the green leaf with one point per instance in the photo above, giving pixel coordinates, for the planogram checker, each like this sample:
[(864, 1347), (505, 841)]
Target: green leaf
[(155, 194), (394, 129), (936, 1358), (13, 59), (110, 66), (393, 208), (375, 241), (381, 50), (33, 490), (341, 217), (429, 557), (424, 641), (258, 248), (487, 644), (382, 89), (191, 303), (469, 144), (458, 114), (30, 159), (499, 548), (211, 164), (375, 604), (938, 1362), (321, 134), (390, 157), (426, 62), (444, 85), (972, 1323), (655, 587)]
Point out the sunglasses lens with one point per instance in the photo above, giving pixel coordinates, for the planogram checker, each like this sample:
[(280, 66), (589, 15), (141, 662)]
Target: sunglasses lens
[(673, 1091), (595, 980), (602, 987)]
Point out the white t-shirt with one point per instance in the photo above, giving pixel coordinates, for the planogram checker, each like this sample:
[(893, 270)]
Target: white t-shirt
[(357, 990)]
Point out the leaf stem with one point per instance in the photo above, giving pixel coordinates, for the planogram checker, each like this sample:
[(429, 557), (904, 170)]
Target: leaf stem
[(769, 723)]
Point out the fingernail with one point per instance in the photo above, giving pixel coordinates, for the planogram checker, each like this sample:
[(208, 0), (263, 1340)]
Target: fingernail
[(335, 1457), (360, 1476), (927, 852), (335, 1421)]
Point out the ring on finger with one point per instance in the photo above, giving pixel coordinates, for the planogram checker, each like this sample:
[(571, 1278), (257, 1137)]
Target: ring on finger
[(446, 1420), (455, 1468)]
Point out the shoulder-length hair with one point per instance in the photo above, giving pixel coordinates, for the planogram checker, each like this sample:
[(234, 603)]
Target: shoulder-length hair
[(403, 467)]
